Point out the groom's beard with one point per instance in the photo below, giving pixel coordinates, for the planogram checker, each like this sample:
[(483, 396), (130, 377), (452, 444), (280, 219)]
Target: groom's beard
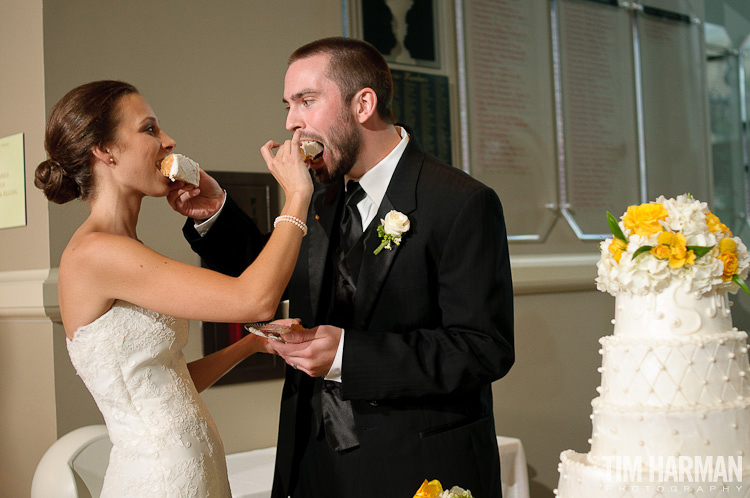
[(344, 144)]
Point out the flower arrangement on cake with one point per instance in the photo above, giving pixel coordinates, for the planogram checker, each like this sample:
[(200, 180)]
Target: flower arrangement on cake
[(657, 242), (433, 489)]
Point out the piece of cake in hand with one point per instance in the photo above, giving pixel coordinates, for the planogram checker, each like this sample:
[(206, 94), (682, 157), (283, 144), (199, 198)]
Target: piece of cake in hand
[(178, 167)]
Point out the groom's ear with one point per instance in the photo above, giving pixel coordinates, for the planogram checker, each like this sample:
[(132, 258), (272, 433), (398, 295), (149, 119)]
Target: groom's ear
[(364, 104)]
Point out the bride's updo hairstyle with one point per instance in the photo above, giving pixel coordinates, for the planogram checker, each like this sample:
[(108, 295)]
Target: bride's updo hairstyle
[(86, 117)]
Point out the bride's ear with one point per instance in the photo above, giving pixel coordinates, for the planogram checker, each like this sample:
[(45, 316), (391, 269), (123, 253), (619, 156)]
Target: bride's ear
[(104, 155)]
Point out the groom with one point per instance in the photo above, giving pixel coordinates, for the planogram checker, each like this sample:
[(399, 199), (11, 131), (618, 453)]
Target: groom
[(395, 388)]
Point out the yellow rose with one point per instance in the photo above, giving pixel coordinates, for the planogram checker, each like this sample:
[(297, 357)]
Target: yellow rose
[(617, 247), (727, 245), (674, 247), (665, 238), (644, 219), (715, 224), (661, 251), (429, 489), (728, 256), (731, 264)]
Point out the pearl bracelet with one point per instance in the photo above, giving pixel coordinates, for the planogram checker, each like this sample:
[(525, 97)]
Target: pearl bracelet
[(293, 220)]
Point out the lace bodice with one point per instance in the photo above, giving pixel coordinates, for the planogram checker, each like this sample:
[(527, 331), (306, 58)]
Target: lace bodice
[(165, 443)]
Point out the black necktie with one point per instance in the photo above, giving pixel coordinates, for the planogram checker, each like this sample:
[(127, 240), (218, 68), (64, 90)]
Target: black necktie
[(348, 256), (351, 221), (335, 415)]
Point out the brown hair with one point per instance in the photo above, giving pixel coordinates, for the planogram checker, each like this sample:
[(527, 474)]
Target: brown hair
[(86, 117), (354, 65)]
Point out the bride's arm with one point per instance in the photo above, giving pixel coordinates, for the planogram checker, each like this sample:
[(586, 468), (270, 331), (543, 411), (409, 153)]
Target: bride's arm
[(207, 370), (105, 266)]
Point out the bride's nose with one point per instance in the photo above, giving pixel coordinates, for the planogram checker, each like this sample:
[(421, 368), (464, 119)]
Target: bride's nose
[(167, 142)]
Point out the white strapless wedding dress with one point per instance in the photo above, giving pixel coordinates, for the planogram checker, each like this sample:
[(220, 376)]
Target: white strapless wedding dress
[(165, 443)]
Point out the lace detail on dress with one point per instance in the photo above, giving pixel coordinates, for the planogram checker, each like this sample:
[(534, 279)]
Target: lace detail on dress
[(165, 443)]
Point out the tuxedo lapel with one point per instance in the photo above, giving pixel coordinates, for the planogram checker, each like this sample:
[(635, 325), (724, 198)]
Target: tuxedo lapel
[(400, 196), (320, 226)]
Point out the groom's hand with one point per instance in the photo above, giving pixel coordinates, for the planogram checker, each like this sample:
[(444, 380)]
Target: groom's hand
[(310, 350), (198, 203)]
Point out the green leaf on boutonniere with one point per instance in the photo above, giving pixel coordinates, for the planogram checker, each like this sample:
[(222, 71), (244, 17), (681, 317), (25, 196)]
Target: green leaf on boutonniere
[(615, 228), (738, 280), (641, 250), (699, 250)]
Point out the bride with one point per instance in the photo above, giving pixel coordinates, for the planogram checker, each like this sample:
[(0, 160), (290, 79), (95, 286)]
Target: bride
[(118, 297)]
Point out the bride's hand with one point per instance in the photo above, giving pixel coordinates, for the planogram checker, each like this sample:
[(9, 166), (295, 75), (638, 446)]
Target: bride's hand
[(252, 344), (288, 167)]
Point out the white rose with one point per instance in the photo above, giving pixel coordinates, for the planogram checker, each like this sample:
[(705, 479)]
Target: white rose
[(396, 223)]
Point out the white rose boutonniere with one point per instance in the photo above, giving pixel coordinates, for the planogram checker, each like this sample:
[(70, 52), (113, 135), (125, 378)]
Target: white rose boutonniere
[(391, 229)]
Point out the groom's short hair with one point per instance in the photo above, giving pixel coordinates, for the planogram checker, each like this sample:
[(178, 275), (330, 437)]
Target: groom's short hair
[(354, 65)]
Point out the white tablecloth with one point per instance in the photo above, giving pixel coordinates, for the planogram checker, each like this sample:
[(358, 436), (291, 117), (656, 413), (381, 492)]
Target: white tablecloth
[(513, 472), (251, 472)]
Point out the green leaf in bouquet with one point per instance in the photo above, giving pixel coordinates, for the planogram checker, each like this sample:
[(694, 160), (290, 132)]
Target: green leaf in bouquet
[(738, 280), (615, 228), (641, 250), (699, 250)]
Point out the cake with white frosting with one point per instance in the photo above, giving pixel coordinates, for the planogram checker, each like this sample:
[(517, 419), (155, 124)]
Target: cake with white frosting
[(673, 413), (178, 167)]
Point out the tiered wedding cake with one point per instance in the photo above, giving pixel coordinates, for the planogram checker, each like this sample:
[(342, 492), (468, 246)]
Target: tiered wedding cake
[(673, 414)]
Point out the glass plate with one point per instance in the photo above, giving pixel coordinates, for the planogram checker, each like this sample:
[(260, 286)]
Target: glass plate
[(272, 331)]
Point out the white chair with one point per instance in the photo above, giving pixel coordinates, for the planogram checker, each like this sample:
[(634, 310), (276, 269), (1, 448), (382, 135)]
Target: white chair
[(74, 466)]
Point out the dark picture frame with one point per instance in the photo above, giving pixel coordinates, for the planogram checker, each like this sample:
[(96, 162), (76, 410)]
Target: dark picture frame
[(258, 195), (404, 31)]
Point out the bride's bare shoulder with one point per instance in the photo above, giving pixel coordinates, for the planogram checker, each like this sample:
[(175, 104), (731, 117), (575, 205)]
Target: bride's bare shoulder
[(89, 247), (88, 265)]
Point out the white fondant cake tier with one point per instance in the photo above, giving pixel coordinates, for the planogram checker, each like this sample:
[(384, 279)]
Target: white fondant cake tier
[(721, 431), (580, 478), (683, 371), (673, 312)]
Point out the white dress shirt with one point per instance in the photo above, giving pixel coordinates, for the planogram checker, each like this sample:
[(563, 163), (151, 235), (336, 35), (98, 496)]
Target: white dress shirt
[(374, 183)]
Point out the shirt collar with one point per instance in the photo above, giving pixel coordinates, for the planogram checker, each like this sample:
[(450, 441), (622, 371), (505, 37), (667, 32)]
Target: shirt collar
[(375, 181)]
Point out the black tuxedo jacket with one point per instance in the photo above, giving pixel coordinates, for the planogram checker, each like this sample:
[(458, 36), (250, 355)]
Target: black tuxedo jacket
[(432, 329)]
